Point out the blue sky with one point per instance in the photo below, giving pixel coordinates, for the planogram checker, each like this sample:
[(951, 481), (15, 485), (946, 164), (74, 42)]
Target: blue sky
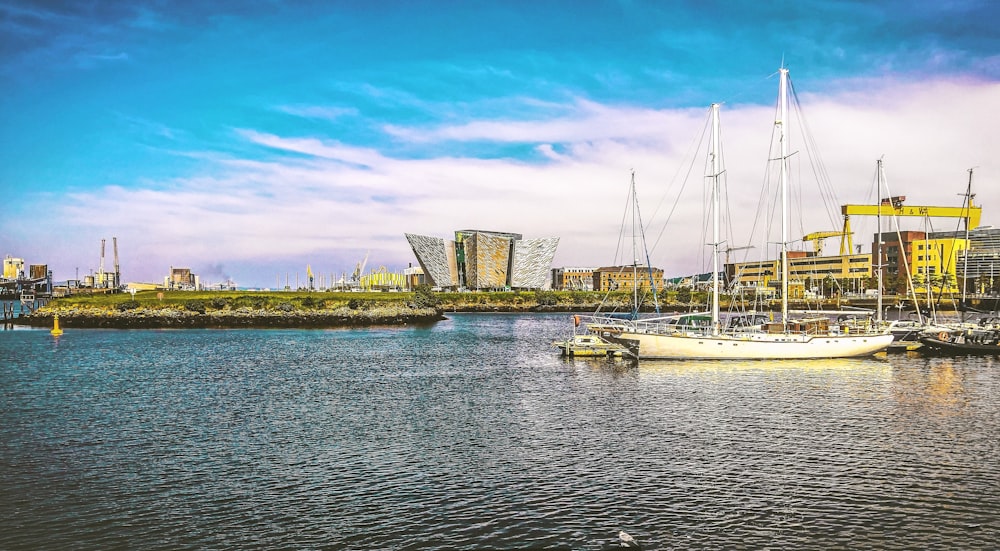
[(249, 139)]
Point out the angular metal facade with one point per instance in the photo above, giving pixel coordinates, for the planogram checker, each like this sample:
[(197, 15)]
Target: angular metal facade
[(532, 261), (437, 258), (486, 259)]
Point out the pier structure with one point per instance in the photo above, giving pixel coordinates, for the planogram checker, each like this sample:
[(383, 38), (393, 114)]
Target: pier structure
[(31, 289)]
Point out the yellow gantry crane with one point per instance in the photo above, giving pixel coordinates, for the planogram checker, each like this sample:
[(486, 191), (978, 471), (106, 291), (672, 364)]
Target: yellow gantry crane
[(893, 206), (819, 237)]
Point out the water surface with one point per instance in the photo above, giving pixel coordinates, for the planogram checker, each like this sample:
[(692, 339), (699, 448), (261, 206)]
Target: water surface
[(473, 433)]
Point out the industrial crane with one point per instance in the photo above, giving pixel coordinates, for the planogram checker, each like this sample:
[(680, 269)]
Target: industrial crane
[(359, 269), (731, 249), (819, 237), (893, 206)]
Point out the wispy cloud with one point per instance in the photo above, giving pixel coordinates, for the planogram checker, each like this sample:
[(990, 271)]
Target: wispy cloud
[(318, 111), (338, 200), (277, 134)]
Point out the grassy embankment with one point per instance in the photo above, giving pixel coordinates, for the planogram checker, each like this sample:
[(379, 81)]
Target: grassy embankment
[(310, 309), (233, 309)]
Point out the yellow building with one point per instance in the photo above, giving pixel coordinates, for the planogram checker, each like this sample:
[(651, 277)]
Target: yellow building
[(927, 258), (573, 279), (930, 259), (805, 271), (621, 278), (13, 268)]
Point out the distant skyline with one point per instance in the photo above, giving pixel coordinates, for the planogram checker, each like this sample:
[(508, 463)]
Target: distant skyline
[(246, 140)]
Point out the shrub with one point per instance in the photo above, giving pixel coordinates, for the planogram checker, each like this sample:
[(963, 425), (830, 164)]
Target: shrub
[(128, 305), (546, 298), (359, 304), (195, 306), (218, 303), (684, 295), (285, 307), (424, 297)]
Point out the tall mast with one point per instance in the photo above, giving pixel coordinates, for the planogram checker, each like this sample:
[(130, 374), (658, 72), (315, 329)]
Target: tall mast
[(878, 233), (965, 257), (635, 250), (783, 117), (715, 170)]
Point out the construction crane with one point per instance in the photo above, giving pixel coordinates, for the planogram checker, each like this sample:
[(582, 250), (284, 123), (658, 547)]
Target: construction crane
[(731, 249), (893, 206), (818, 237), (725, 271), (359, 269)]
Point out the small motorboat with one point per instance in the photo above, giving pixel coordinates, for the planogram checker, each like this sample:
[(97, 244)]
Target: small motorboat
[(589, 345), (971, 341)]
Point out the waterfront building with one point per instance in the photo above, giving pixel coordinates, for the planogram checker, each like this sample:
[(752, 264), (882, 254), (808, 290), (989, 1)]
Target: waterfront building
[(13, 268), (484, 260), (382, 280), (625, 278), (930, 259), (807, 273), (414, 275), (926, 259), (573, 279), (181, 279), (978, 266)]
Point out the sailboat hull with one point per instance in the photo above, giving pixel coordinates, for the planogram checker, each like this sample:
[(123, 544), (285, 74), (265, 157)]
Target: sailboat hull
[(755, 346)]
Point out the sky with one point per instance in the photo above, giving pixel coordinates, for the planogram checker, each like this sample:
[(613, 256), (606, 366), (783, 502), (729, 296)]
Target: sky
[(248, 140)]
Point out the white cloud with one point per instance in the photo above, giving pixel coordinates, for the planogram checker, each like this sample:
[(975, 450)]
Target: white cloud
[(317, 111), (336, 201)]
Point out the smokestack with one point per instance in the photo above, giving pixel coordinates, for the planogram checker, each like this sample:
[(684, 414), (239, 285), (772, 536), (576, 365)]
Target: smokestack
[(114, 241), (100, 272)]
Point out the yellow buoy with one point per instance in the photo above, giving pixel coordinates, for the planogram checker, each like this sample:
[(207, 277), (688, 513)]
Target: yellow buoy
[(55, 327)]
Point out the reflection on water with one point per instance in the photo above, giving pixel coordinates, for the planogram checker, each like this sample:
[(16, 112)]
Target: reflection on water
[(474, 433), (937, 387)]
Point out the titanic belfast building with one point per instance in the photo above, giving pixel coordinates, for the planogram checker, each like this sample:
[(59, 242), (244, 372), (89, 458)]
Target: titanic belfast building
[(485, 260)]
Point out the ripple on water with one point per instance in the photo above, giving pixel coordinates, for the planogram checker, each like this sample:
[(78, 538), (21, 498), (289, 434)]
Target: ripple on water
[(473, 433)]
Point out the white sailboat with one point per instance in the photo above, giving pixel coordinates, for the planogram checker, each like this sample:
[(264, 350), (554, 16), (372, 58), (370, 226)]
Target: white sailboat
[(674, 338)]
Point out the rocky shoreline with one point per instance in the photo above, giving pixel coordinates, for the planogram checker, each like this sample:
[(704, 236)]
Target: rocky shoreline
[(169, 318)]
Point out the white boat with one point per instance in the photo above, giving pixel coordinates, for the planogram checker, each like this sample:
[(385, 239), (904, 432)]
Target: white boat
[(670, 338)]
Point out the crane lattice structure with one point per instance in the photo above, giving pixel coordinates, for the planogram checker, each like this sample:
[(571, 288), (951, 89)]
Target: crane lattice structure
[(893, 206), (819, 237)]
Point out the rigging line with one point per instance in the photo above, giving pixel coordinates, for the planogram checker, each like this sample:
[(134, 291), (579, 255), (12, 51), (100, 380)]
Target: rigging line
[(827, 190), (730, 232), (645, 249), (699, 140), (619, 250), (912, 291), (771, 203)]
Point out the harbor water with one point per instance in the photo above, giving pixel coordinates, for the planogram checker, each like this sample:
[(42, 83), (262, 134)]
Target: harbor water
[(473, 433)]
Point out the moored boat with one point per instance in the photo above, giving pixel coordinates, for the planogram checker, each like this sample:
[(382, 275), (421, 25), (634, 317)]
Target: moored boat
[(786, 338), (590, 345), (969, 342)]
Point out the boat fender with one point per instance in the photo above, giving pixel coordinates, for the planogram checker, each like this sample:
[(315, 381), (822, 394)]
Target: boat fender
[(576, 321), (943, 336)]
